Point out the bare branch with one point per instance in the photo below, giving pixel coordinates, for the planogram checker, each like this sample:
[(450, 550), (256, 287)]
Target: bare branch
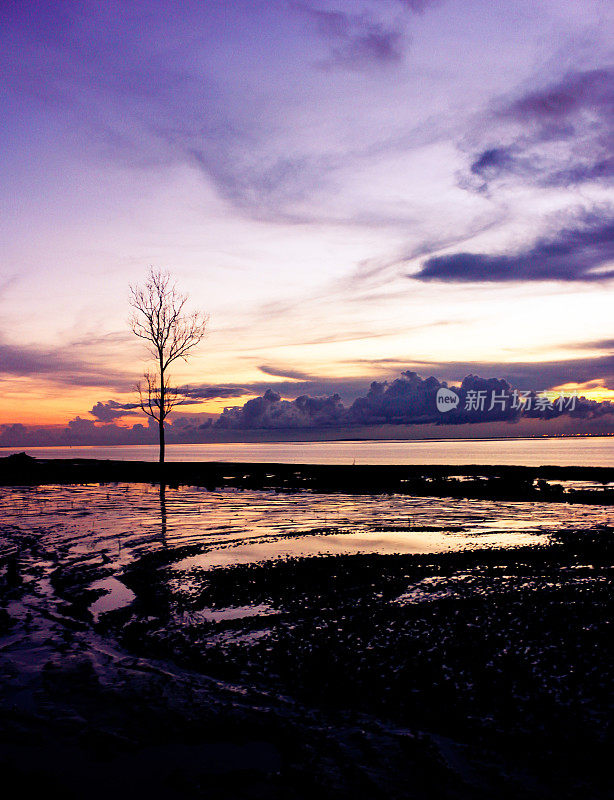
[(160, 319)]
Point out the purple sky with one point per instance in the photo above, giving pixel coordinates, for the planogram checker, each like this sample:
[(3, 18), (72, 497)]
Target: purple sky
[(349, 189)]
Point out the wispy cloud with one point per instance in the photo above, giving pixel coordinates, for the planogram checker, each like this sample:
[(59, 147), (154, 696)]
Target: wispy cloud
[(281, 372), (559, 135), (357, 40), (581, 251), (527, 376), (61, 366), (360, 39)]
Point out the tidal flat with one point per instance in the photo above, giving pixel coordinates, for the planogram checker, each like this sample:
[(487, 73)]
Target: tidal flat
[(245, 644)]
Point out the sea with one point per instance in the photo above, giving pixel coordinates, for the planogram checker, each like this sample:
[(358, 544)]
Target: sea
[(583, 451)]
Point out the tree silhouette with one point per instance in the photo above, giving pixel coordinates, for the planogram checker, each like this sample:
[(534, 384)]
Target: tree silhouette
[(171, 333)]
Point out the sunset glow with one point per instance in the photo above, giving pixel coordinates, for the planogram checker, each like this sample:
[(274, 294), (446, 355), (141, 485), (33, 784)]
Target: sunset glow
[(349, 190)]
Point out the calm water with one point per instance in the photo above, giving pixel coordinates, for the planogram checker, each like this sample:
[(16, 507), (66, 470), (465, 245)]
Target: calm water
[(589, 451), (121, 521), (100, 529)]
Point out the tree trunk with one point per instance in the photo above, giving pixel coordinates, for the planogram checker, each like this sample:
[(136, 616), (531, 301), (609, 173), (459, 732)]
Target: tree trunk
[(162, 410), (161, 425), (163, 511)]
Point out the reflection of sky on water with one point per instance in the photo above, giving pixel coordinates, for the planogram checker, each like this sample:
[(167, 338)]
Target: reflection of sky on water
[(116, 595), (121, 522)]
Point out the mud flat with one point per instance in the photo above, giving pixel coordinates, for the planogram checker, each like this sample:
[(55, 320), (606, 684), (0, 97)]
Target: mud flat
[(476, 673)]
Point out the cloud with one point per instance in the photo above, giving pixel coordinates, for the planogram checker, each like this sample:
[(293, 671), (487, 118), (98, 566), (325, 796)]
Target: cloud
[(79, 431), (600, 344), (375, 46), (536, 375), (412, 400), (580, 252), (280, 372), (209, 392), (558, 135), (418, 6), (360, 40), (111, 410), (525, 376), (59, 365), (347, 388), (145, 110), (554, 107), (407, 400), (270, 411), (582, 409), (357, 40)]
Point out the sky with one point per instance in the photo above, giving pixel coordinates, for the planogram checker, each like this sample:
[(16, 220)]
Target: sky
[(353, 191)]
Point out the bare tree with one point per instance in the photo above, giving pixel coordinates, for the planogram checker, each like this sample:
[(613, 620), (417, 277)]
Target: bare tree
[(171, 333)]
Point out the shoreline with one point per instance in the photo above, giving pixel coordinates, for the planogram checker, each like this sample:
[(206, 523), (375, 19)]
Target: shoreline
[(495, 482)]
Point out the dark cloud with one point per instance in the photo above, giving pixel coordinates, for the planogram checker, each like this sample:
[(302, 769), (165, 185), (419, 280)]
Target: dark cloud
[(537, 375), (547, 375), (60, 366), (408, 400), (590, 171), (207, 392), (559, 135), (111, 410), (582, 409), (412, 400), (346, 388), (552, 108), (600, 344), (376, 273), (493, 160), (573, 253), (375, 46), (498, 162), (78, 431), (270, 411), (281, 372)]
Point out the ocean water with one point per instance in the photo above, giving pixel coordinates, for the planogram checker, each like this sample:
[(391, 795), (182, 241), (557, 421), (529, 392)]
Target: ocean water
[(585, 451)]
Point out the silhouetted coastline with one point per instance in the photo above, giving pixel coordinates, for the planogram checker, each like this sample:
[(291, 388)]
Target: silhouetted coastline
[(543, 484)]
